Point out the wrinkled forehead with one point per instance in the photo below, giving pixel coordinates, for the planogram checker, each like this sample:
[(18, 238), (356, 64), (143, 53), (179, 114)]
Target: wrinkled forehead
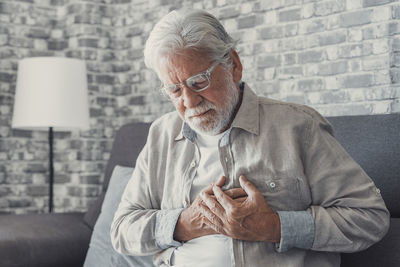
[(177, 66)]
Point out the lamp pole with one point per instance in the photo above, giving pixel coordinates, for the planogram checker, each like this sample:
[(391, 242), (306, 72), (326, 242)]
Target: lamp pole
[(51, 169)]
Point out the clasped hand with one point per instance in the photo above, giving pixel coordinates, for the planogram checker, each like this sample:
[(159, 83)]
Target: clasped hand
[(241, 213)]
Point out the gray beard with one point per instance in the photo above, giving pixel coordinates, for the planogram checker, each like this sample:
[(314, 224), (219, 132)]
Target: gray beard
[(221, 119)]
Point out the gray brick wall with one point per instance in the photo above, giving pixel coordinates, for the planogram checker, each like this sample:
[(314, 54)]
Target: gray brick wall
[(338, 56)]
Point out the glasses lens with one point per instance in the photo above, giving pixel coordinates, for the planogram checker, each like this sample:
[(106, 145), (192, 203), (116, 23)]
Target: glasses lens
[(198, 82)]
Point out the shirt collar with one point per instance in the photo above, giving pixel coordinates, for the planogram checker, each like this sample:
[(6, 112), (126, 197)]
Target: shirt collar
[(247, 117)]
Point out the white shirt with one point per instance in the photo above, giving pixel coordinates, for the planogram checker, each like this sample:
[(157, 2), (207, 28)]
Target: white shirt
[(210, 250)]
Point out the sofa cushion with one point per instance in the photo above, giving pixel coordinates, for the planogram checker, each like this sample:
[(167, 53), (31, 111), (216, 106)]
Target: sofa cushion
[(101, 253), (129, 141), (45, 240)]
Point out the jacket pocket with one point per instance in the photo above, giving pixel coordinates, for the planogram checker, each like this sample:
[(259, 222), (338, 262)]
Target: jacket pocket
[(282, 193)]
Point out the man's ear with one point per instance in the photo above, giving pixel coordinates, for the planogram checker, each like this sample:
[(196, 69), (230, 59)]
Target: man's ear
[(237, 66)]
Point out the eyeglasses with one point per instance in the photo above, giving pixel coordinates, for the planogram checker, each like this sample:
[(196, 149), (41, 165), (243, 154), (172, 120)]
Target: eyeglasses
[(197, 83)]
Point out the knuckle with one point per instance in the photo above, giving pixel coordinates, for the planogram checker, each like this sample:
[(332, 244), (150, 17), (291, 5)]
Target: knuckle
[(234, 211)]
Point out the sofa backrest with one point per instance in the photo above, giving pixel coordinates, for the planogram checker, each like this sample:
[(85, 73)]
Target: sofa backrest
[(374, 142), (128, 142)]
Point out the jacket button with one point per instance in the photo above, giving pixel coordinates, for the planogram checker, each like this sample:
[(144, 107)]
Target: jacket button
[(272, 184), (193, 164)]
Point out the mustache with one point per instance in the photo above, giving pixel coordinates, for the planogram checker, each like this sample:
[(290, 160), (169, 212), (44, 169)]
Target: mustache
[(199, 109)]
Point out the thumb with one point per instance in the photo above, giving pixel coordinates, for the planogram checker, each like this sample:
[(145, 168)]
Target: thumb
[(247, 186), (221, 181)]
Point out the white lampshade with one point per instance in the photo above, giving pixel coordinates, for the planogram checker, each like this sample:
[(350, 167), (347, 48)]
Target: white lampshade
[(51, 92)]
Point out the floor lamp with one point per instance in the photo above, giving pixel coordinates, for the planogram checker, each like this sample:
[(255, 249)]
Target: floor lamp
[(51, 94)]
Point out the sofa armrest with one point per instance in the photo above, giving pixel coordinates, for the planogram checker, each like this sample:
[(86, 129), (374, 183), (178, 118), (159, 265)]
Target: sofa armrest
[(382, 254), (45, 240)]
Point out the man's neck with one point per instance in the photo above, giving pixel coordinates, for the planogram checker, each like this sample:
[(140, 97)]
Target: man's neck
[(241, 89)]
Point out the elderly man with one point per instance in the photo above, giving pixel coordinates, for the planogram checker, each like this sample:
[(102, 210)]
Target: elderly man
[(234, 179)]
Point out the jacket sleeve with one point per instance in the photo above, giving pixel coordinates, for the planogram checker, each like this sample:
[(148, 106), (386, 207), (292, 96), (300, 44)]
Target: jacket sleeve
[(139, 227), (348, 210)]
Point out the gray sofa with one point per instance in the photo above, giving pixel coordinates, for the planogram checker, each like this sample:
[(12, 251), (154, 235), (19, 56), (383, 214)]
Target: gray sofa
[(58, 240)]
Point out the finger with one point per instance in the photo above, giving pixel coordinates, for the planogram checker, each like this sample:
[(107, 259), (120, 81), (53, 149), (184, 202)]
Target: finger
[(248, 187), (217, 228), (235, 193), (212, 204), (240, 199), (208, 190), (211, 217), (226, 202), (221, 181)]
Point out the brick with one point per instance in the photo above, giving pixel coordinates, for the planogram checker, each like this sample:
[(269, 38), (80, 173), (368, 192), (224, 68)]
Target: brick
[(40, 44), (20, 42), (120, 67), (270, 17), (290, 15), (135, 53), (376, 63), (324, 8), (271, 32), (382, 77), (21, 133), (394, 60), (312, 26), (38, 33), (136, 100), (308, 10), (395, 75), (380, 46), (332, 68), (105, 79), (357, 80), (3, 39), (291, 29), (4, 191), (268, 5), (269, 61), (247, 22), (88, 42), (289, 59), (90, 179), (19, 202), (57, 45), (355, 18), (106, 101), (310, 56), (37, 190), (292, 71), (7, 77), (35, 167), (394, 28), (369, 3), (311, 84), (228, 12), (355, 35), (333, 37), (348, 51), (381, 14), (353, 4), (83, 191), (268, 74), (395, 106), (396, 12), (354, 65)]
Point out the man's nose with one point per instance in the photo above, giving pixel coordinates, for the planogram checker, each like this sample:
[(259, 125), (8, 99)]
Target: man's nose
[(190, 99)]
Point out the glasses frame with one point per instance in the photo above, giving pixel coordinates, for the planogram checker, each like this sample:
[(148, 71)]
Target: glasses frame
[(207, 73)]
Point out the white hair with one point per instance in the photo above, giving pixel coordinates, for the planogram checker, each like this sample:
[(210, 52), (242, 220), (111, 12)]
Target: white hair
[(182, 29)]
